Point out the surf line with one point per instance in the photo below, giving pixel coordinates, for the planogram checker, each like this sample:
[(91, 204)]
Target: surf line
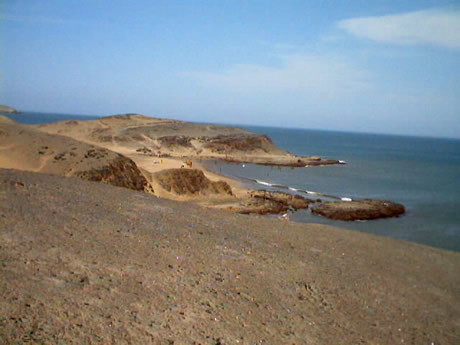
[(309, 192)]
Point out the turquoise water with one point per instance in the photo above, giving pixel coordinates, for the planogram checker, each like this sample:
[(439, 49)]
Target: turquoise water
[(421, 173)]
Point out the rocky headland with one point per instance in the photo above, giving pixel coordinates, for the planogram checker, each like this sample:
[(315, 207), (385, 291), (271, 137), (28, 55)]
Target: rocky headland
[(172, 138), (8, 110), (162, 156)]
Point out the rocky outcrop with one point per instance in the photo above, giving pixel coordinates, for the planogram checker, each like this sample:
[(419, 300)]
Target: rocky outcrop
[(359, 210), (286, 199), (227, 144), (271, 202), (121, 172), (190, 182), (172, 141), (260, 206)]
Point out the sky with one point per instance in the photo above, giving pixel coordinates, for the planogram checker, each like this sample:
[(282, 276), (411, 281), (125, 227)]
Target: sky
[(376, 66)]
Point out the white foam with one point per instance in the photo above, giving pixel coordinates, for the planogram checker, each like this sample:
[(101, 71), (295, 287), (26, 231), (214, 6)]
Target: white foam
[(293, 189), (346, 199), (312, 193), (264, 183)]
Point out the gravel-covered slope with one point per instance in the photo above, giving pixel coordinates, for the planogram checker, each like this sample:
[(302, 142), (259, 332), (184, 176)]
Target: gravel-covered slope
[(88, 263)]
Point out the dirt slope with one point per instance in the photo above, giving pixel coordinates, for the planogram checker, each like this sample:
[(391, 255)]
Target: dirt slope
[(132, 133), (88, 263), (25, 148)]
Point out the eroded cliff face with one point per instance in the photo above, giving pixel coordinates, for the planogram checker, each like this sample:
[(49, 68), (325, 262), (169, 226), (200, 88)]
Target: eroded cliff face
[(190, 182), (121, 172)]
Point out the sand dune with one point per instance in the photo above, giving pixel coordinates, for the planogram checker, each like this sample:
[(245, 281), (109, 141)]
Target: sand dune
[(26, 148)]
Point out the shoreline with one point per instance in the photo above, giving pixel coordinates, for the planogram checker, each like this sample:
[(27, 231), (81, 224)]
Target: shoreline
[(169, 143)]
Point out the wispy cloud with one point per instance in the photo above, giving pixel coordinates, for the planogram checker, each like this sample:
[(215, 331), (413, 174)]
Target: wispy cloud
[(432, 27), (309, 75)]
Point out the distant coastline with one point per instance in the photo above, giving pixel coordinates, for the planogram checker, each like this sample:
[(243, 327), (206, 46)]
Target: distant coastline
[(381, 167), (8, 109)]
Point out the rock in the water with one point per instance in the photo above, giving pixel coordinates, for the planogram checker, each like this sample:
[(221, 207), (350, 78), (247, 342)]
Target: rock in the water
[(260, 206), (271, 202), (290, 200), (359, 209)]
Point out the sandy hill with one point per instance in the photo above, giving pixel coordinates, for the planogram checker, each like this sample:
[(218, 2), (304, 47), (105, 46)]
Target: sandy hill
[(26, 148), (7, 109), (95, 264), (137, 133)]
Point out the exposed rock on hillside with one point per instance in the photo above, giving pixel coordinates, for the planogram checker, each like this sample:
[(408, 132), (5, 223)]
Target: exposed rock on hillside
[(121, 172), (126, 133), (25, 148), (359, 209), (290, 200), (190, 182), (228, 144), (175, 141)]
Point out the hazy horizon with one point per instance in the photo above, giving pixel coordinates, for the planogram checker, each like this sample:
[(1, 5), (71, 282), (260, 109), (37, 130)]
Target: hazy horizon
[(367, 68)]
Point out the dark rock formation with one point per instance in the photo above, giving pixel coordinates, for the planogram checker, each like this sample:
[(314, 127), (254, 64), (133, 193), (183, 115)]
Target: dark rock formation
[(359, 210), (260, 206), (121, 172), (290, 200), (271, 202), (190, 182), (239, 143), (145, 151), (301, 162), (170, 141)]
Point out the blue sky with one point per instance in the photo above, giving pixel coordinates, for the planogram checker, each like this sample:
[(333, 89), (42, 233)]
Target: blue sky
[(370, 66)]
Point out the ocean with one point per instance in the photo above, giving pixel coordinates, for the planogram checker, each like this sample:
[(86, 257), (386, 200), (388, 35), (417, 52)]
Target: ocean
[(421, 173)]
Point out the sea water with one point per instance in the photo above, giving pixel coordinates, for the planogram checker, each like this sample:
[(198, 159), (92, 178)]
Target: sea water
[(421, 173)]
